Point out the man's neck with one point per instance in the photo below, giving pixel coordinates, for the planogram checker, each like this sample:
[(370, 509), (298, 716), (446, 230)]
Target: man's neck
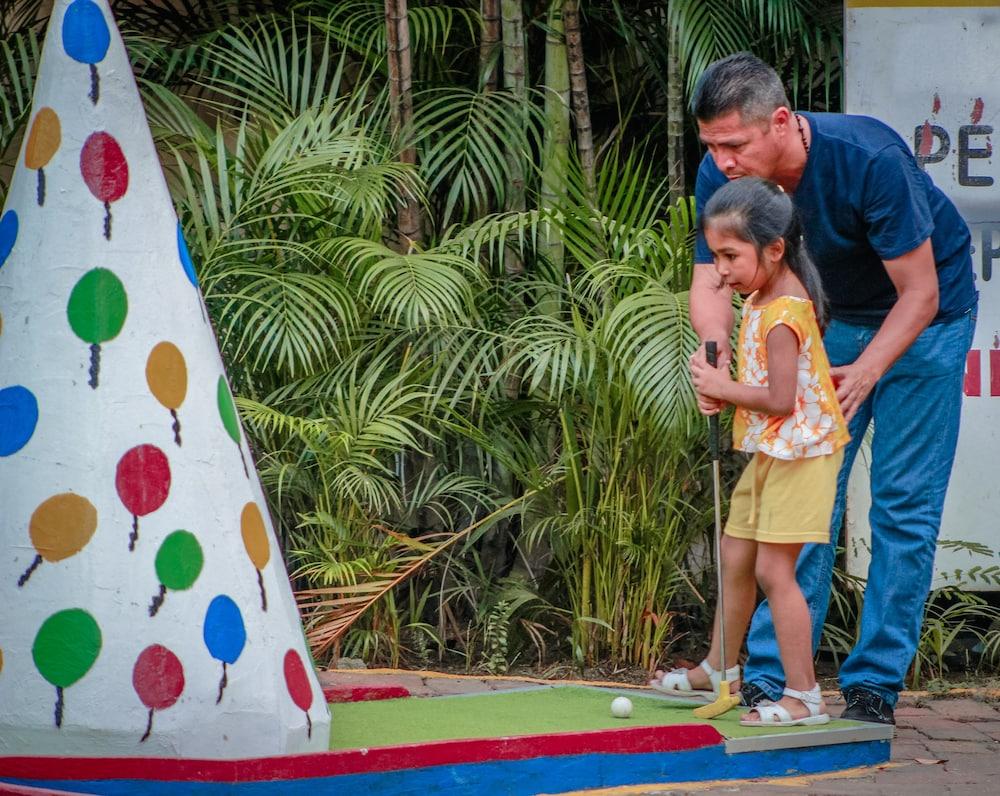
[(792, 164)]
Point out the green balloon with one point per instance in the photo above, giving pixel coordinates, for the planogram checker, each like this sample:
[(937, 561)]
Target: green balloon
[(97, 306), (67, 644), (227, 410), (179, 561)]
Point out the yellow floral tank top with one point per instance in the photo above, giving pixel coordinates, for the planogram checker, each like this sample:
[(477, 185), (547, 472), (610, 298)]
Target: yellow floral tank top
[(816, 425)]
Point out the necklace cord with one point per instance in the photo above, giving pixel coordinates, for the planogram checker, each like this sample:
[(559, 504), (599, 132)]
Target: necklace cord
[(802, 134)]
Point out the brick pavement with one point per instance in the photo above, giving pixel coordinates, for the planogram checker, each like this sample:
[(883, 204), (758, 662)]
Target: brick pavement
[(942, 745)]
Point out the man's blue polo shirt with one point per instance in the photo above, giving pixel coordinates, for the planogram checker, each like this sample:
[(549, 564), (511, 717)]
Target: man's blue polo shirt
[(863, 199)]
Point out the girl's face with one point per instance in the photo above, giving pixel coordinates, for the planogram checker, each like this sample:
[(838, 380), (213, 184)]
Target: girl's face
[(736, 260)]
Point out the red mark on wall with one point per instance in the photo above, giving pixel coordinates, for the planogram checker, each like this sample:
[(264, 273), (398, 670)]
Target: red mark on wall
[(973, 386), (973, 378), (926, 139), (936, 107), (977, 110)]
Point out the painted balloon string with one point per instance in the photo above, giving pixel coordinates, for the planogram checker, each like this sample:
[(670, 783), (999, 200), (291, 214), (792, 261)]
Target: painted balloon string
[(243, 459), (155, 606), (134, 536), (95, 364), (149, 727), (95, 84), (222, 683), (263, 594), (59, 705), (34, 565), (107, 220), (176, 427), (41, 187)]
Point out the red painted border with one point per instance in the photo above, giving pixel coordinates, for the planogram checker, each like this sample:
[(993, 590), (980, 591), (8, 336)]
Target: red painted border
[(363, 693), (632, 740)]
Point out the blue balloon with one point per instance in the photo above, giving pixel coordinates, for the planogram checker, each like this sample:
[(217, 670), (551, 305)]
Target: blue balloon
[(185, 256), (224, 632), (18, 418), (8, 235), (85, 34)]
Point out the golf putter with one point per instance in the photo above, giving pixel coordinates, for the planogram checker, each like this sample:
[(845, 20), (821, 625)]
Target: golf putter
[(724, 701)]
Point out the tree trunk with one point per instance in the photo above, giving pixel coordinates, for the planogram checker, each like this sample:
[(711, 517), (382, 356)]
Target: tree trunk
[(675, 119), (401, 106), (514, 82), (579, 95), (555, 154), (488, 55)]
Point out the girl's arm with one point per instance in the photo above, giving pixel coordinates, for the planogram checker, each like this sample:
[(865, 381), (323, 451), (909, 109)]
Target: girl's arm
[(777, 398)]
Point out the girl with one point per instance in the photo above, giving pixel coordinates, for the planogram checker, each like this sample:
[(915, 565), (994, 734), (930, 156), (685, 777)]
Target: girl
[(788, 418)]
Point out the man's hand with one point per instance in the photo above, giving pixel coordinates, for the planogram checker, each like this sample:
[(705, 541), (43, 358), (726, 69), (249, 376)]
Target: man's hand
[(854, 382)]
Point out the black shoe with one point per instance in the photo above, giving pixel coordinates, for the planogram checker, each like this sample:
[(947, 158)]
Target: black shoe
[(865, 705), (752, 695)]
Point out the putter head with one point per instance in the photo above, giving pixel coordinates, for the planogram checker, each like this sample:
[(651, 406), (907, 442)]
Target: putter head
[(723, 703)]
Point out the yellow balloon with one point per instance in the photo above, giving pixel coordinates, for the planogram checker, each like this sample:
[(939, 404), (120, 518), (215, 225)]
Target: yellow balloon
[(62, 525), (43, 139), (255, 536), (166, 374)]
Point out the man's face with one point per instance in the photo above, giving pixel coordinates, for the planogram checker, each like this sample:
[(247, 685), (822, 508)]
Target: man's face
[(743, 149)]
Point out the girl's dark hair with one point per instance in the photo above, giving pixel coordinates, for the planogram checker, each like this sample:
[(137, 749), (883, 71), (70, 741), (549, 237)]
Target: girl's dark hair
[(759, 212)]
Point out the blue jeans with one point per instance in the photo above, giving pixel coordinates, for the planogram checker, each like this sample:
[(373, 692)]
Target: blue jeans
[(916, 407)]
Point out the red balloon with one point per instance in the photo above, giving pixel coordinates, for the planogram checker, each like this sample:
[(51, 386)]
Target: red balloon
[(104, 168), (297, 681), (158, 677), (143, 479)]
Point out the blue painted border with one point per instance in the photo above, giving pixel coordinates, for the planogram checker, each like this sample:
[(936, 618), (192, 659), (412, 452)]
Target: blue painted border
[(520, 777)]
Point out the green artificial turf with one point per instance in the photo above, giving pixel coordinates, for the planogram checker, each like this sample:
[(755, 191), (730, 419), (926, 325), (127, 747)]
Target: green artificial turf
[(391, 722)]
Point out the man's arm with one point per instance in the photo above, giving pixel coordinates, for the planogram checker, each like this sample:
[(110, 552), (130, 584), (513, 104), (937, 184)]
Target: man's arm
[(915, 277)]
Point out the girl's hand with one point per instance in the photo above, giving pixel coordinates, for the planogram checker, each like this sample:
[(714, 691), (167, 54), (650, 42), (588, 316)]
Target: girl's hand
[(709, 382), (709, 406)]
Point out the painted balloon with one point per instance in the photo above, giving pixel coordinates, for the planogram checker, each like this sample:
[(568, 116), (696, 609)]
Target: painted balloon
[(142, 479), (299, 688), (166, 375), (185, 256), (66, 646), (59, 528), (8, 235), (105, 171), (158, 679), (230, 420), (255, 541), (18, 418), (43, 142), (178, 564), (86, 38), (224, 634), (97, 309)]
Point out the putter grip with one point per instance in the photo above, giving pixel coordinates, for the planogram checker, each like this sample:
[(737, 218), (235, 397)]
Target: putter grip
[(712, 355)]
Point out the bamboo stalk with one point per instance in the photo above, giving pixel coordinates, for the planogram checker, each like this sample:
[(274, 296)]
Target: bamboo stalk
[(555, 154), (514, 81), (488, 55), (675, 119), (579, 94), (400, 67)]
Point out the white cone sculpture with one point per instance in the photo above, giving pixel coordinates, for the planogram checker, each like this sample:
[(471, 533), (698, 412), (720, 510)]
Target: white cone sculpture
[(146, 608)]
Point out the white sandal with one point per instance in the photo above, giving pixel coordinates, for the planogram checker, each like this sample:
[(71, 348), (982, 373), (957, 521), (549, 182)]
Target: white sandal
[(774, 715), (676, 682)]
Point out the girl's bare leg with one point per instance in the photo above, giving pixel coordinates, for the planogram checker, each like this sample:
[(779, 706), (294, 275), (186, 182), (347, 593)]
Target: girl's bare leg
[(792, 625), (738, 556)]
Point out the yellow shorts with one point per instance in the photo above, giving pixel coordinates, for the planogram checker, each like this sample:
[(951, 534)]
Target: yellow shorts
[(779, 501)]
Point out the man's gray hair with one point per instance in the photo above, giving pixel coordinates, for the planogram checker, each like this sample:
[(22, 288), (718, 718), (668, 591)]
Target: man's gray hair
[(739, 82)]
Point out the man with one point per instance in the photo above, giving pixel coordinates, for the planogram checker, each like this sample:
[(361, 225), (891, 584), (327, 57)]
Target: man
[(895, 260)]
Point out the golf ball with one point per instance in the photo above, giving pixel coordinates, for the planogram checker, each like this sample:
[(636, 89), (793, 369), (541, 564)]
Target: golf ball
[(621, 707)]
